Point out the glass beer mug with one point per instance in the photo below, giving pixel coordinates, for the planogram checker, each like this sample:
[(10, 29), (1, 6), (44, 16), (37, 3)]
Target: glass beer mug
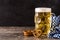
[(42, 20)]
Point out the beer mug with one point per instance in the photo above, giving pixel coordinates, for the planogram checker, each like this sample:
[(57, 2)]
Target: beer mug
[(42, 20)]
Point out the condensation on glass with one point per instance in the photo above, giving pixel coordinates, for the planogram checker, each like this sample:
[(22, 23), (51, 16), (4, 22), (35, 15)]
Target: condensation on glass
[(42, 19)]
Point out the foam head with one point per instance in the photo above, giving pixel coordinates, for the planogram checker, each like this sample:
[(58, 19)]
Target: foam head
[(42, 9)]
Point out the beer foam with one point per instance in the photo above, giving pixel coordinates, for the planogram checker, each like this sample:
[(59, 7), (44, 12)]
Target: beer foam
[(42, 9)]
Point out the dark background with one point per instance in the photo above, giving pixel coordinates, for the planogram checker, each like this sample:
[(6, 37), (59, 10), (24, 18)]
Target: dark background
[(21, 12)]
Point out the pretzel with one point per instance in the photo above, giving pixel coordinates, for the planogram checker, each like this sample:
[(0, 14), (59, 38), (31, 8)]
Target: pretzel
[(37, 33), (27, 33)]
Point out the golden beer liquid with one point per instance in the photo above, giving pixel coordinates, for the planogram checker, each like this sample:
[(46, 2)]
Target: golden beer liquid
[(43, 22)]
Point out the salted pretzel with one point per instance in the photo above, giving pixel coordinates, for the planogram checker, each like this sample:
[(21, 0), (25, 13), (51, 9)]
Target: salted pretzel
[(27, 33), (37, 33)]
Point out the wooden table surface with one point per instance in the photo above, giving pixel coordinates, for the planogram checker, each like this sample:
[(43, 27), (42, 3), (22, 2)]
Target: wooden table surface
[(16, 33)]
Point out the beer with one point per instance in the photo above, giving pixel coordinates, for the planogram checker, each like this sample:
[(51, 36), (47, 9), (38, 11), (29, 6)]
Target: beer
[(42, 20)]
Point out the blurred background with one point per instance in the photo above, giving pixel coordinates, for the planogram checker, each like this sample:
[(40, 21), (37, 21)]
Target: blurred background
[(21, 12)]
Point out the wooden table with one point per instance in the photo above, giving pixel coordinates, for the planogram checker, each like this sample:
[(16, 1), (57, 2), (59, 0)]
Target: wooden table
[(15, 33)]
